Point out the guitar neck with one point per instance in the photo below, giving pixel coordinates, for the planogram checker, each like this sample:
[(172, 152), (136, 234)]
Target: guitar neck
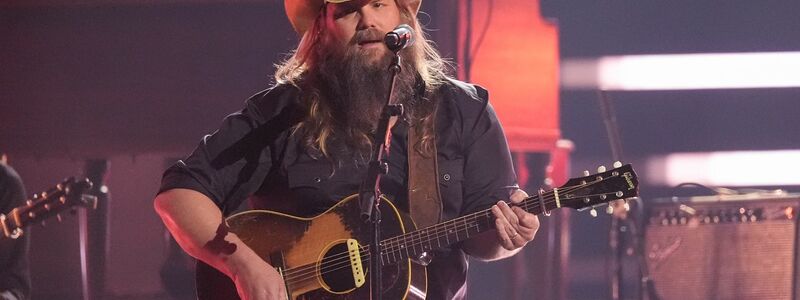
[(414, 244), (64, 195), (578, 193), (35, 210)]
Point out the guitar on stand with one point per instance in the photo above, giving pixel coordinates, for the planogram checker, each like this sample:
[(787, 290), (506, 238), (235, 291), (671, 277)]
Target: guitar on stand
[(68, 194), (325, 257)]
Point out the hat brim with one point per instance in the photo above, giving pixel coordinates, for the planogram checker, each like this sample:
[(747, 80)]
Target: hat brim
[(302, 13)]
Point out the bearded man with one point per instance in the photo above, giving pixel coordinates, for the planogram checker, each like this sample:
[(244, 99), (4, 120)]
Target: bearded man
[(304, 144)]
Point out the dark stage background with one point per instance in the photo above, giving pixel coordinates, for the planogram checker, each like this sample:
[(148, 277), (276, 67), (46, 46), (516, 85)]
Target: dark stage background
[(138, 83)]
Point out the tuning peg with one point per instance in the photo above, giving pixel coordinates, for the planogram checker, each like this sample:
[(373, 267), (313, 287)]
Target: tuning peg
[(617, 164), (593, 212), (601, 169), (58, 217), (16, 233), (609, 210), (586, 173)]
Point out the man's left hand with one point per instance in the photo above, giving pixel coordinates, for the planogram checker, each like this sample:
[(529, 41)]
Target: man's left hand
[(515, 226)]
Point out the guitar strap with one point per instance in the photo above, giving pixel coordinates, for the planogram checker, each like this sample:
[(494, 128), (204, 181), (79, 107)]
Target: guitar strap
[(424, 198)]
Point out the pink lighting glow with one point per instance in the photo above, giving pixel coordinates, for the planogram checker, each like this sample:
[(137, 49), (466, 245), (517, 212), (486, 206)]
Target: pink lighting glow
[(684, 71), (734, 168)]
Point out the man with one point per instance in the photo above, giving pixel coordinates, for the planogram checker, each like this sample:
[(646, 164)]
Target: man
[(304, 144), (15, 282)]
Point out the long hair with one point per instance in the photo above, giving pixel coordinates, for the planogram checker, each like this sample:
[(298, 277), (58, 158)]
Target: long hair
[(318, 126)]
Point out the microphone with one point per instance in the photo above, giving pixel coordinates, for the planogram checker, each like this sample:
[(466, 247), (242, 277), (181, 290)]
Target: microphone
[(399, 38)]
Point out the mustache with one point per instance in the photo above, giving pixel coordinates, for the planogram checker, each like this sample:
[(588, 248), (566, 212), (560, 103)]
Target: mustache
[(368, 35)]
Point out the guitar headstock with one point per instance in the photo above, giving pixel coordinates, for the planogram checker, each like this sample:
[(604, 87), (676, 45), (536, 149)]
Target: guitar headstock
[(67, 194), (593, 190)]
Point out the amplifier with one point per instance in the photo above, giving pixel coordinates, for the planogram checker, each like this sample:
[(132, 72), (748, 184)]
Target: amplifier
[(742, 247)]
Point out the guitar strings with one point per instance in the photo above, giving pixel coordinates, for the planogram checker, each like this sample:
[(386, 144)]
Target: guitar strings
[(424, 235), (293, 274), (334, 264), (343, 260), (331, 266), (395, 245)]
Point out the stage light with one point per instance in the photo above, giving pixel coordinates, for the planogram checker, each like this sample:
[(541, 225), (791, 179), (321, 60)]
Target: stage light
[(730, 168), (683, 71)]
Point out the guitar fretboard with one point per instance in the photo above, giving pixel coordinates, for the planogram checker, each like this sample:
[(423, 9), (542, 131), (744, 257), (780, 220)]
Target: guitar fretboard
[(578, 193), (414, 244)]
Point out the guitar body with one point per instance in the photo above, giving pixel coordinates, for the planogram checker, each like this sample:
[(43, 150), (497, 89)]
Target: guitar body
[(313, 257), (326, 257)]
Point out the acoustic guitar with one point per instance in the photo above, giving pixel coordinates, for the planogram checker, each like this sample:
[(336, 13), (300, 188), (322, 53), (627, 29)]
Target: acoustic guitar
[(67, 194), (327, 256)]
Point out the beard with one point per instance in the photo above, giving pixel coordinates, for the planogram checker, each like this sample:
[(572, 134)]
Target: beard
[(354, 83)]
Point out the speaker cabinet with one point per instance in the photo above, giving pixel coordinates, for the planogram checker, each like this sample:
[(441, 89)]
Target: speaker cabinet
[(733, 249)]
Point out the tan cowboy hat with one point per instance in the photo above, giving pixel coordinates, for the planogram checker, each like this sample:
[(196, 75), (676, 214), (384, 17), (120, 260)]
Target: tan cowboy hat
[(302, 13)]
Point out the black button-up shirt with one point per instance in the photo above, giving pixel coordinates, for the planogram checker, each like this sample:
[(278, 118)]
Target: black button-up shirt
[(253, 155), (14, 263)]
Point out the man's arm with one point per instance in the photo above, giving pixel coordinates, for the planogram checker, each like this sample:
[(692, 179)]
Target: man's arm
[(198, 227), (514, 228), (489, 176)]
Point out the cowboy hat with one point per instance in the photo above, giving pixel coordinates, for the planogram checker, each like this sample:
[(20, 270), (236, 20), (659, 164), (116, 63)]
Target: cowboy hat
[(302, 13)]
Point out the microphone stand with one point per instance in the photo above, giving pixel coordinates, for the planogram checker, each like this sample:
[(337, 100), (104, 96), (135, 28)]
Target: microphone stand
[(369, 192), (618, 224), (610, 122)]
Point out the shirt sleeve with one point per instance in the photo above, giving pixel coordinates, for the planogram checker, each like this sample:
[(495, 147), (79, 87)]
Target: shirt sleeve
[(14, 261), (231, 163), (488, 169)]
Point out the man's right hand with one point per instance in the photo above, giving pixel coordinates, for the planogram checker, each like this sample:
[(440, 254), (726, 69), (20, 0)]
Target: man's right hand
[(257, 280)]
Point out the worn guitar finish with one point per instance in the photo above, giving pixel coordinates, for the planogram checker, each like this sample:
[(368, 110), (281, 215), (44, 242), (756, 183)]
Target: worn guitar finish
[(313, 257), (289, 243)]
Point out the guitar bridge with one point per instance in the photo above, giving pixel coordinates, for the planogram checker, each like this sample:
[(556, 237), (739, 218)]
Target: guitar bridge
[(277, 261), (355, 262)]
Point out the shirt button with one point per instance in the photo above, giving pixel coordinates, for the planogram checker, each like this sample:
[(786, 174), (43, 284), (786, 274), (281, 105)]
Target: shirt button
[(317, 180), (446, 176)]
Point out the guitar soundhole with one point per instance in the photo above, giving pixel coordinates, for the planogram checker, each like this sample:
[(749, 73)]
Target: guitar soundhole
[(336, 270)]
